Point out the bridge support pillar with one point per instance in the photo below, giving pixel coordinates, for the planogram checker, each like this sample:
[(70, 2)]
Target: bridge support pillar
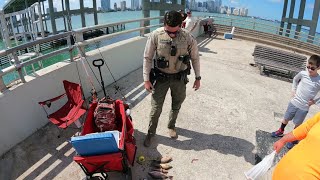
[(52, 17), (95, 13), (292, 5), (315, 17), (299, 22), (83, 18)]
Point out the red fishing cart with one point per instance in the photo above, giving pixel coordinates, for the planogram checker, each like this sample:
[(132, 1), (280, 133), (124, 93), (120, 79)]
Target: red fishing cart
[(120, 161)]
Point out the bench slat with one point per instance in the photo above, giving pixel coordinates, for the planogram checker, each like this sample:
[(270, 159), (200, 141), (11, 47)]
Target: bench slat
[(278, 59)]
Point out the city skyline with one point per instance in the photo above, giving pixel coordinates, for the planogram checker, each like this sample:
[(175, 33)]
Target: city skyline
[(267, 9)]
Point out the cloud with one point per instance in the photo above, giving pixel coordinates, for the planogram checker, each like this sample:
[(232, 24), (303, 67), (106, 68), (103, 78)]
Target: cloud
[(234, 1), (276, 1)]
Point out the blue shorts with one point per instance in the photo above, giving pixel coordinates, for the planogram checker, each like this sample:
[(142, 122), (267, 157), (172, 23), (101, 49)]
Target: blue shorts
[(295, 114)]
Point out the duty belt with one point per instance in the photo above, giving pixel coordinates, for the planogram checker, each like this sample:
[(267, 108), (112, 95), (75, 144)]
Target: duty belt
[(174, 75), (182, 75)]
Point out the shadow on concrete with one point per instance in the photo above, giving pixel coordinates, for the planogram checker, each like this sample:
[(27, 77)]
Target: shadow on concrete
[(202, 45), (265, 146), (277, 76), (131, 87), (219, 38), (42, 155), (140, 170), (207, 50), (199, 141)]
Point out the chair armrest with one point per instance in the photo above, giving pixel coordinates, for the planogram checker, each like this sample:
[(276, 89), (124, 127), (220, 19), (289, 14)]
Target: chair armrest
[(76, 109), (51, 100)]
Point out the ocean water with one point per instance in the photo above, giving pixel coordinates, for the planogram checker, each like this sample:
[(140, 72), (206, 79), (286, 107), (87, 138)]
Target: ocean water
[(111, 17)]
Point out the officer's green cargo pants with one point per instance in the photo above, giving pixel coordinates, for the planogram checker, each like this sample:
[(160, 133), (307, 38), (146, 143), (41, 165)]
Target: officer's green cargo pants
[(178, 94)]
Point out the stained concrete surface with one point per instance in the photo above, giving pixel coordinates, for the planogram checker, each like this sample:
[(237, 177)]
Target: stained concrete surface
[(224, 127)]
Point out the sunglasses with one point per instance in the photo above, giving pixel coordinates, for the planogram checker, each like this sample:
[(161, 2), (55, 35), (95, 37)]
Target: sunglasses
[(173, 33), (311, 68)]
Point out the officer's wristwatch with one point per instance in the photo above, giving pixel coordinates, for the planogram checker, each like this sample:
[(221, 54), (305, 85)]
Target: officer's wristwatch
[(198, 78)]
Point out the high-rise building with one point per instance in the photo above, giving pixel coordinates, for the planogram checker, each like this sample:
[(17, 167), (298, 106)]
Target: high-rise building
[(232, 9), (54, 10), (223, 10), (205, 4), (123, 5), (211, 6), (236, 12), (115, 6), (218, 4), (229, 10), (187, 4), (134, 4), (243, 12), (193, 5), (105, 5)]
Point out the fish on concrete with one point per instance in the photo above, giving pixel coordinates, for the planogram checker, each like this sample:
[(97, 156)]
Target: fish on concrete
[(158, 175), (163, 166), (165, 159), (160, 170)]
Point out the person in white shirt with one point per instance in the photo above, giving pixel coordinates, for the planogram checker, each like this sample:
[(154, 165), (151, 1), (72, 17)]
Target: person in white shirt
[(190, 22)]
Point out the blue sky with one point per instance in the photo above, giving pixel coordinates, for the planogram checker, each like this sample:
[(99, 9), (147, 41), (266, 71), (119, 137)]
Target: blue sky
[(270, 9)]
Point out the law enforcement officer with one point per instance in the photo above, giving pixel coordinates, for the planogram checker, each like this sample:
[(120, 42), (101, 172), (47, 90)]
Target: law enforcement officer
[(172, 48)]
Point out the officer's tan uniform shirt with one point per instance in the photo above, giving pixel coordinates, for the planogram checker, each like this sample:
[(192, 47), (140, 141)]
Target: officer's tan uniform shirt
[(159, 44)]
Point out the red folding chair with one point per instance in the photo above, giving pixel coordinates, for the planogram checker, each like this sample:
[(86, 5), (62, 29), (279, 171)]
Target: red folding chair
[(71, 111)]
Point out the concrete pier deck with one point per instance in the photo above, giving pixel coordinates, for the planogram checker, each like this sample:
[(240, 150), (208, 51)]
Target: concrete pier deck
[(224, 127)]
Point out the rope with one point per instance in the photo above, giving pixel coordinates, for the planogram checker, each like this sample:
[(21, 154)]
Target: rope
[(81, 85), (82, 56), (116, 87)]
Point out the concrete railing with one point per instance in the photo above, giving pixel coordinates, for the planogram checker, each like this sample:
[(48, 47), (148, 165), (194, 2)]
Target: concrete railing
[(271, 39), (270, 28), (20, 113), (265, 33), (79, 41)]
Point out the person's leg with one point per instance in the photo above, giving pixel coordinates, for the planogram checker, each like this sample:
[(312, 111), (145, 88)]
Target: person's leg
[(178, 94), (290, 113), (157, 99), (297, 120)]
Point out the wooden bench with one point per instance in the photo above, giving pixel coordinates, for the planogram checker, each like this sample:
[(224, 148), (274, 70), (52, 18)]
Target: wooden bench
[(279, 61)]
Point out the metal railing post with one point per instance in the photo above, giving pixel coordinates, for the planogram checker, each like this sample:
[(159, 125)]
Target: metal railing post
[(142, 31), (41, 20), (18, 66), (70, 47), (5, 30), (3, 87), (79, 38)]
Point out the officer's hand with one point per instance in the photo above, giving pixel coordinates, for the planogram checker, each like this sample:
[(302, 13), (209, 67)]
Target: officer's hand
[(196, 85), (148, 86)]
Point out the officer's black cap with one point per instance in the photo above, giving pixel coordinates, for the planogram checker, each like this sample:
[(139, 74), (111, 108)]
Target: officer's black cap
[(172, 19)]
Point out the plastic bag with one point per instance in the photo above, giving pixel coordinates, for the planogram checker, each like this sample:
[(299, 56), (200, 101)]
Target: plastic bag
[(261, 168)]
